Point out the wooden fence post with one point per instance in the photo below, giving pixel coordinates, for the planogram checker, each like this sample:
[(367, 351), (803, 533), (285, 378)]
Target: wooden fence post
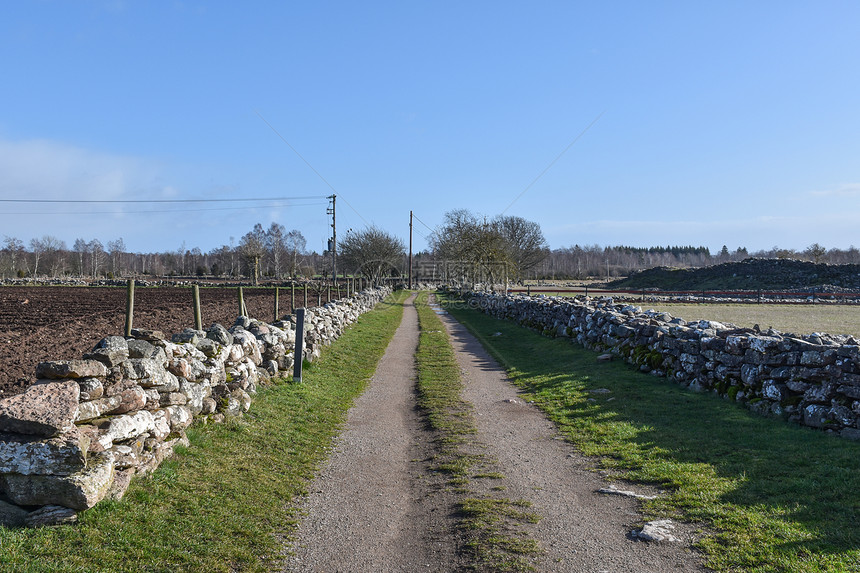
[(242, 311), (198, 317), (276, 305), (292, 296), (129, 308)]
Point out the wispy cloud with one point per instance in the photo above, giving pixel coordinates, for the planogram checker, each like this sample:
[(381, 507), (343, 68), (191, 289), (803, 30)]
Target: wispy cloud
[(845, 190), (40, 169)]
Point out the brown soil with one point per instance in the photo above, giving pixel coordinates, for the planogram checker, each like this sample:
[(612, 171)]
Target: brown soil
[(63, 323)]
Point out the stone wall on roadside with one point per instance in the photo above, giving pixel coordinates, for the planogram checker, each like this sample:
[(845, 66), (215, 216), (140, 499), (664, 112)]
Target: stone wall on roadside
[(813, 380), (86, 426)]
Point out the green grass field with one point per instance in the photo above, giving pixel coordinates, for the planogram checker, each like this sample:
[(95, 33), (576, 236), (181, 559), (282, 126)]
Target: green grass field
[(770, 497)]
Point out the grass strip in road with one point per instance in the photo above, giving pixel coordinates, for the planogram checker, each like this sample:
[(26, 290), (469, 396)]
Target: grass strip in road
[(222, 504), (775, 497), (492, 524)]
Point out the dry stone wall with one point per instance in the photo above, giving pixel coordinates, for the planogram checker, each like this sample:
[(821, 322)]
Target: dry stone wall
[(79, 434), (813, 380)]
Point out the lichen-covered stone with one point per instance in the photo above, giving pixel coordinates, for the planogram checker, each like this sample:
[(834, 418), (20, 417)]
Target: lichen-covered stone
[(43, 409), (59, 369), (79, 491)]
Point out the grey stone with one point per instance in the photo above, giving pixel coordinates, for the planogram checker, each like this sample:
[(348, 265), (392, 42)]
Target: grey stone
[(188, 335), (147, 334), (59, 369), (219, 334), (141, 349), (173, 399), (130, 425), (79, 491), (179, 417), (110, 350), (121, 481), (12, 515), (91, 389), (43, 409), (51, 515), (62, 455), (208, 347)]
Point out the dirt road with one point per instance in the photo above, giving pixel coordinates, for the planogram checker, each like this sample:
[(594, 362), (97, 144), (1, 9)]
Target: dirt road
[(375, 507)]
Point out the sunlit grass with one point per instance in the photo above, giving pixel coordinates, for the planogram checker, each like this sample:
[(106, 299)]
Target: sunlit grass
[(772, 497)]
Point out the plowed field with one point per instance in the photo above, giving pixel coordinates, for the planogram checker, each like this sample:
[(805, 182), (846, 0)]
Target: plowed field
[(62, 323)]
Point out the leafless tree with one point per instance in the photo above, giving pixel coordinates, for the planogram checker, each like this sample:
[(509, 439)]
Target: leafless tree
[(116, 248), (372, 252), (253, 248)]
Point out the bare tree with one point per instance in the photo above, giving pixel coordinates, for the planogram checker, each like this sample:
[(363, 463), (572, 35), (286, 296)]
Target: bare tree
[(15, 248), (296, 244), (523, 243), (44, 248), (276, 236), (815, 252), (372, 252), (253, 248), (116, 248), (510, 242), (97, 256), (80, 248)]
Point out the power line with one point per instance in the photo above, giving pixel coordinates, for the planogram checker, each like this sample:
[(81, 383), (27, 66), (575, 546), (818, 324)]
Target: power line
[(311, 166), (161, 200), (422, 222), (136, 212), (581, 133)]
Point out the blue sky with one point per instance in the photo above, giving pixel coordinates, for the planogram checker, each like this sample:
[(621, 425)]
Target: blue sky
[(718, 123)]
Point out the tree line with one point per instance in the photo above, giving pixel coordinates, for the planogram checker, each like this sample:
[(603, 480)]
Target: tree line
[(506, 246), (273, 252)]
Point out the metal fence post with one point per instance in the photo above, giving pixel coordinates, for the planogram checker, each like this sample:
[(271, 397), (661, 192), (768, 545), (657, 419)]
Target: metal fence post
[(299, 351)]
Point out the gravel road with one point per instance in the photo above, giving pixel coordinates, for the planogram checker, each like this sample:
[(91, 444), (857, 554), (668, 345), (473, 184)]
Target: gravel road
[(375, 507)]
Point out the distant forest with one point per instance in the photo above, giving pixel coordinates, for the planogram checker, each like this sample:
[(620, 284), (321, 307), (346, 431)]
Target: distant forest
[(580, 262)]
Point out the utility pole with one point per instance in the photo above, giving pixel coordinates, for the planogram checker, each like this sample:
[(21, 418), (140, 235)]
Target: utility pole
[(410, 249), (333, 242)]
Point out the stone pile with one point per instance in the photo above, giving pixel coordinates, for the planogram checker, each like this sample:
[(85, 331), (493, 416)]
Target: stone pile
[(813, 380), (81, 432)]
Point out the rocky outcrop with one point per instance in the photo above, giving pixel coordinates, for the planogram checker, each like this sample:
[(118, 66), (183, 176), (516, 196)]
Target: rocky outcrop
[(81, 432), (813, 380)]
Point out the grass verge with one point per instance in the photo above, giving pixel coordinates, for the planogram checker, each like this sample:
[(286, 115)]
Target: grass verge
[(775, 497), (491, 523), (223, 503)]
